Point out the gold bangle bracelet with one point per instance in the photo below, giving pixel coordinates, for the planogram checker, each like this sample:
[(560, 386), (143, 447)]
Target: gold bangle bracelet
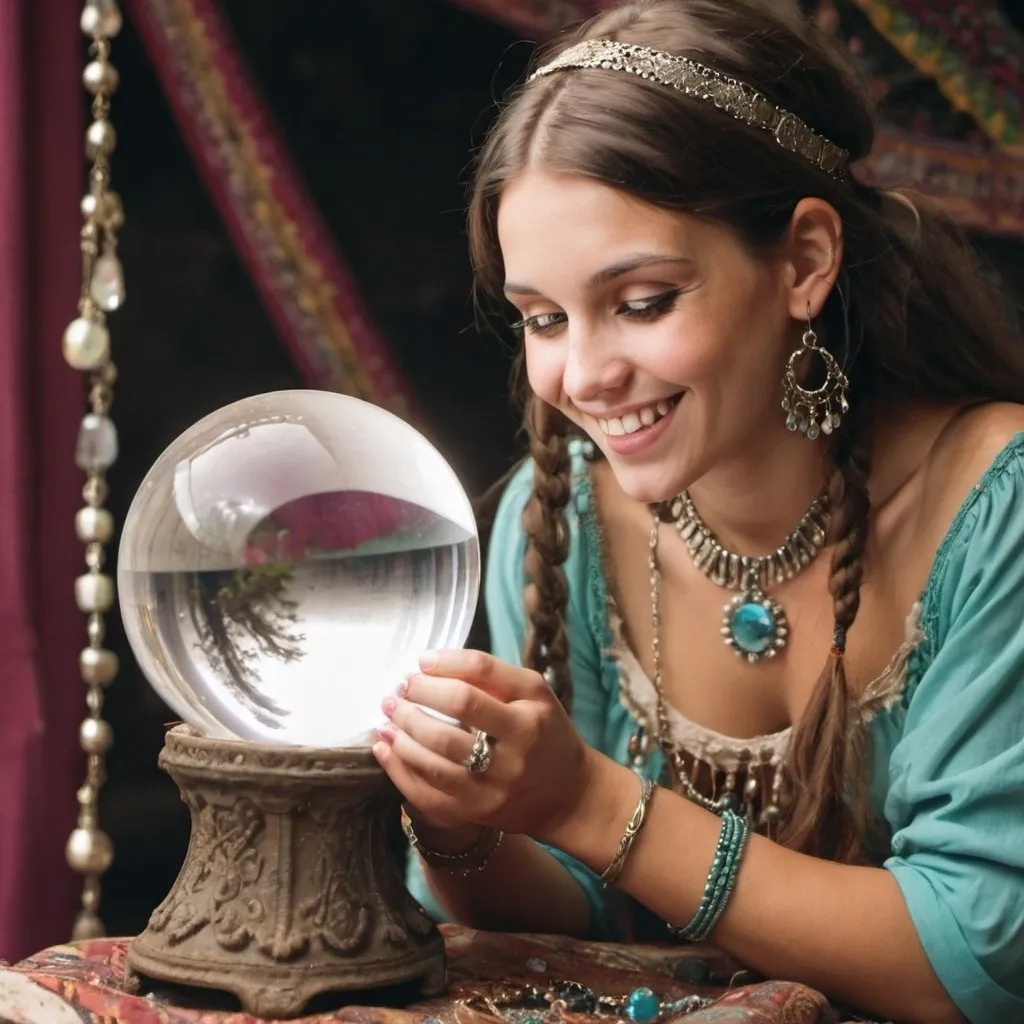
[(633, 826)]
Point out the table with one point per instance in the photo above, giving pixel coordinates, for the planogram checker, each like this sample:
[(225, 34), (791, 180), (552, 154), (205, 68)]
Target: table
[(88, 983)]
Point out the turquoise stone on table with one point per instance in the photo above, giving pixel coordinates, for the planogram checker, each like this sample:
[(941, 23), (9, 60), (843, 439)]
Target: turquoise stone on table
[(753, 627), (643, 1006)]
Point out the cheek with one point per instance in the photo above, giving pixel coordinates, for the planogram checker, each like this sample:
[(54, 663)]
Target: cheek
[(545, 368)]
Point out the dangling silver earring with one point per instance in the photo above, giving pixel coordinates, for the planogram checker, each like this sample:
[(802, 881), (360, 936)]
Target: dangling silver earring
[(821, 410)]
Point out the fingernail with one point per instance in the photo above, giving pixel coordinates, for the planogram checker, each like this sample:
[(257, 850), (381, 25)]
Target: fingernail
[(380, 751), (403, 688), (386, 732), (429, 660), (388, 705)]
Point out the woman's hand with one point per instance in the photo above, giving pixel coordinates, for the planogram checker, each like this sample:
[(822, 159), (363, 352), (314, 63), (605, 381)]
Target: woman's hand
[(539, 769)]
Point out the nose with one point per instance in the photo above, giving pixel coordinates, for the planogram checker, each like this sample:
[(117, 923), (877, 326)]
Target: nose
[(594, 365)]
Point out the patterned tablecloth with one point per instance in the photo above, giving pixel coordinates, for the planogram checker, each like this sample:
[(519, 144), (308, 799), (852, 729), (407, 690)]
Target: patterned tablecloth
[(88, 983)]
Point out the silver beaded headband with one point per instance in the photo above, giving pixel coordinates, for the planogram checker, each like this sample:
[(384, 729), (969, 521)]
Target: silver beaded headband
[(692, 78)]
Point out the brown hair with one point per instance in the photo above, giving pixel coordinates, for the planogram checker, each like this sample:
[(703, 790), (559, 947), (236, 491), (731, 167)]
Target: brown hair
[(912, 319)]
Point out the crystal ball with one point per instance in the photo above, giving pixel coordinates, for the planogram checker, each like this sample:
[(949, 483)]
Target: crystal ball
[(286, 561)]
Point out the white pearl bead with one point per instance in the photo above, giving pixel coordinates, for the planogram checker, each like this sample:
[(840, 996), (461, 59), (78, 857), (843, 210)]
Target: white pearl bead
[(101, 18), (94, 592), (89, 851), (94, 525), (86, 344), (98, 666), (100, 139), (95, 736)]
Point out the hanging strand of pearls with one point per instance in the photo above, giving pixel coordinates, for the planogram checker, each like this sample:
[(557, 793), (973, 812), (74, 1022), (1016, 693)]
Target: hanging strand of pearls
[(86, 347)]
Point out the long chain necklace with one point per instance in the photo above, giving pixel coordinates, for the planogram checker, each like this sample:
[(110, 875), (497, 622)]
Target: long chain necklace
[(753, 624)]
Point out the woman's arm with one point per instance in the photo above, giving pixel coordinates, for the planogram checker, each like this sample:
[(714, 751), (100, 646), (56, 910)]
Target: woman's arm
[(523, 887), (843, 930)]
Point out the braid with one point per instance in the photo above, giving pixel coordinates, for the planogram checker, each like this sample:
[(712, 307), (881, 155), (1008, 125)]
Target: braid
[(546, 595), (828, 812)]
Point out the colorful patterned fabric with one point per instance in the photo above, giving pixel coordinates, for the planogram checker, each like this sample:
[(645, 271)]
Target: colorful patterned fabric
[(971, 49), (88, 983), (257, 190)]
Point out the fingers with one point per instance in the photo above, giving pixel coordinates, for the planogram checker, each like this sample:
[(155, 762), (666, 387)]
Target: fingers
[(433, 803), (504, 681), (449, 741), (461, 701), (434, 769)]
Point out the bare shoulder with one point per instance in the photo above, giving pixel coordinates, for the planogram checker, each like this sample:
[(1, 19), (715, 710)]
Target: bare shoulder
[(963, 452)]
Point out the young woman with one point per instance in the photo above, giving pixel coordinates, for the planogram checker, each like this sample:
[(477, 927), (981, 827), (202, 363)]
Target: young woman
[(768, 551)]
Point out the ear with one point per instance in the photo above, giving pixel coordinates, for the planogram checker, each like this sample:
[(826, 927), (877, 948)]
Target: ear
[(814, 254)]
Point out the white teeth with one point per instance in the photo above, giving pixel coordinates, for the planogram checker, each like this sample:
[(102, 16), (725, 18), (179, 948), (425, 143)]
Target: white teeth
[(634, 421)]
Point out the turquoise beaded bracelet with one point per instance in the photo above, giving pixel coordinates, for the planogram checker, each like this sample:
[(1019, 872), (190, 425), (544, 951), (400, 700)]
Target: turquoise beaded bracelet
[(732, 843)]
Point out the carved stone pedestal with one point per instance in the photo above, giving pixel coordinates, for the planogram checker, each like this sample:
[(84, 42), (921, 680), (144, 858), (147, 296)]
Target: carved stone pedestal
[(292, 885)]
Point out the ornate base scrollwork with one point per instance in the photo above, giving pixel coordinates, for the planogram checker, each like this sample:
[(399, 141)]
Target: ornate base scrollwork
[(292, 885)]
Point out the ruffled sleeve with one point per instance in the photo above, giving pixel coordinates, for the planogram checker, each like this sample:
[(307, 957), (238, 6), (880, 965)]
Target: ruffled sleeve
[(955, 804), (503, 593)]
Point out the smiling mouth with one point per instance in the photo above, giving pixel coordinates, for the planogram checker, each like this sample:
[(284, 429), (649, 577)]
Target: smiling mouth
[(639, 419)]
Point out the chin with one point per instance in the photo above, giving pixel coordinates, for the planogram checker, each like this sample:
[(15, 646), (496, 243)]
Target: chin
[(649, 485)]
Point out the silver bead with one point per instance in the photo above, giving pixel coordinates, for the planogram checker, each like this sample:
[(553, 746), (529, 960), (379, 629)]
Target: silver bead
[(89, 851), (97, 446), (94, 525), (95, 736), (86, 344), (100, 139), (100, 76), (94, 592)]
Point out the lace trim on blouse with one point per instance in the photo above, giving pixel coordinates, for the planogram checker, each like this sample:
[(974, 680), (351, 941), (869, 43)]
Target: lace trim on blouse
[(726, 753)]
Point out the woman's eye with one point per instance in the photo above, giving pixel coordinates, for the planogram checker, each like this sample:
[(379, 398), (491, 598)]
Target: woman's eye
[(649, 308), (542, 323)]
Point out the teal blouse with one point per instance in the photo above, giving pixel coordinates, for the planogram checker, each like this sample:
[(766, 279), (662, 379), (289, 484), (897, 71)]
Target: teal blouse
[(948, 774)]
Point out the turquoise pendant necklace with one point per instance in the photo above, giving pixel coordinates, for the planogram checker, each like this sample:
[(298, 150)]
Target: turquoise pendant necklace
[(753, 624)]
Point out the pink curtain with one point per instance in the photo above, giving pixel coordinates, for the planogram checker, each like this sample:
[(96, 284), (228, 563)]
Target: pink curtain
[(41, 403)]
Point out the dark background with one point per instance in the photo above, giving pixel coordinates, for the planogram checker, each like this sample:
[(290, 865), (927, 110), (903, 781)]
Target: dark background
[(381, 103)]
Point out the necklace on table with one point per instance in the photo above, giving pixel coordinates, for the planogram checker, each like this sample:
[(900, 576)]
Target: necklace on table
[(753, 624)]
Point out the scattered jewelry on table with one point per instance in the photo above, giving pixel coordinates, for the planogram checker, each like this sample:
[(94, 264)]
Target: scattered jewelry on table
[(529, 1004)]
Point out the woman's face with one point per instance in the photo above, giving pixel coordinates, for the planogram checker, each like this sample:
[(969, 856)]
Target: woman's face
[(658, 334)]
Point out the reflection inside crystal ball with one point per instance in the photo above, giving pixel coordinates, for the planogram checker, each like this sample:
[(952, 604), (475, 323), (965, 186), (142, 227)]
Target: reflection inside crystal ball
[(287, 560)]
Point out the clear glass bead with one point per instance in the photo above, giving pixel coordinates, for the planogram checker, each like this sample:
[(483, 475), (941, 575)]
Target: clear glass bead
[(97, 443), (107, 284)]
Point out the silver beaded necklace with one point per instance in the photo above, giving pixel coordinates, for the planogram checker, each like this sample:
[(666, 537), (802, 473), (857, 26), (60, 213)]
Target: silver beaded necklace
[(753, 624), (750, 576)]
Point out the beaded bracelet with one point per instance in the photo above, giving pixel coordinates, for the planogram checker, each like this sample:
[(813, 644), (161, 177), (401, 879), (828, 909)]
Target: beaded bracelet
[(633, 826), (732, 843), (464, 863)]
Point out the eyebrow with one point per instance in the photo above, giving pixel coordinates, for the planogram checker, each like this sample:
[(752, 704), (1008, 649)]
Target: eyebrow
[(609, 273)]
